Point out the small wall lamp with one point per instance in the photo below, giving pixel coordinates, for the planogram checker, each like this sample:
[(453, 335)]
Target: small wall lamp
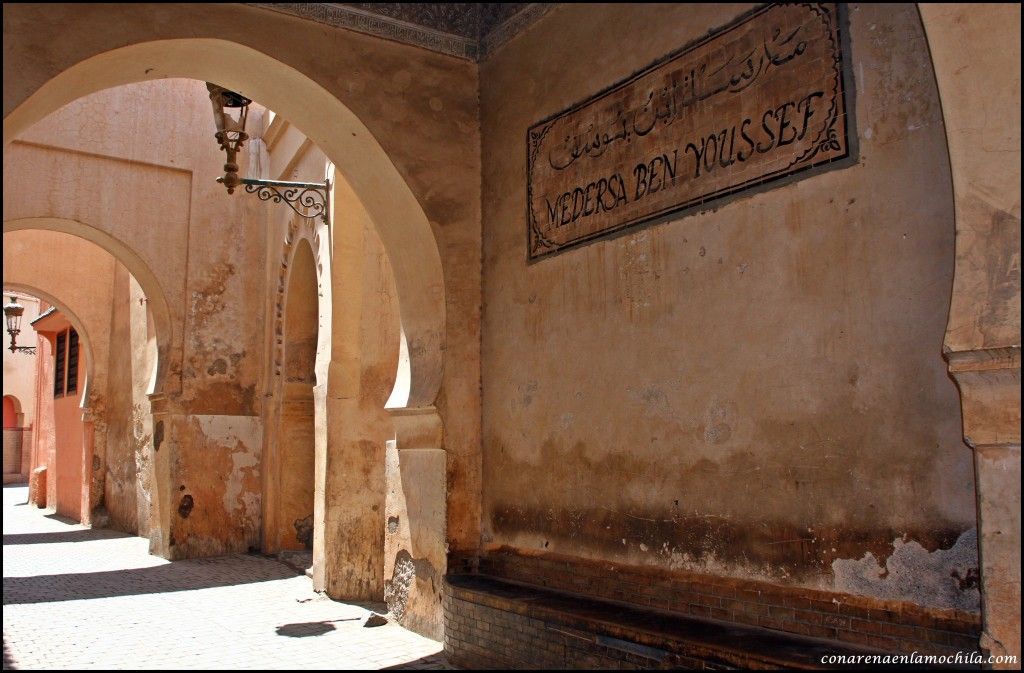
[(13, 312), (230, 110)]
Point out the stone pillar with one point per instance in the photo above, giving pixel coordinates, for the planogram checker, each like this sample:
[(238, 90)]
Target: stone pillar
[(417, 521), (160, 463), (989, 382), (92, 483), (349, 547)]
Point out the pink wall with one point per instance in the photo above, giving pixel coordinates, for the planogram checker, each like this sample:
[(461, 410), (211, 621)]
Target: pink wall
[(69, 433), (43, 441)]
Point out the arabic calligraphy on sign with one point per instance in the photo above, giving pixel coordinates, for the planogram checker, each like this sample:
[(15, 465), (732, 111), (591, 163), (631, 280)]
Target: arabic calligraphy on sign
[(754, 102)]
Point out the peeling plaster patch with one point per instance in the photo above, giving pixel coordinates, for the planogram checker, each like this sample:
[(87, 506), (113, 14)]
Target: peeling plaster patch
[(943, 578), (396, 590), (244, 434), (409, 573), (207, 302)]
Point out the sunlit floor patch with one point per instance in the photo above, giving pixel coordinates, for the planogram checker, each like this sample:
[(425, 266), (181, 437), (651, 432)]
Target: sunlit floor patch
[(81, 598)]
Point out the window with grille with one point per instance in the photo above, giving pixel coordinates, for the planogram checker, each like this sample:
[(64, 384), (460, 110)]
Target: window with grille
[(72, 362), (60, 357)]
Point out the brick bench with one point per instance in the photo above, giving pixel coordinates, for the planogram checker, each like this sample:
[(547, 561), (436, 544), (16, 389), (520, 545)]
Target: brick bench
[(492, 623)]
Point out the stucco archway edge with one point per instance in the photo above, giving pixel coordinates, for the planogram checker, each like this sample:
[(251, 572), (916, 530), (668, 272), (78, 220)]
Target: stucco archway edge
[(398, 217), (166, 334)]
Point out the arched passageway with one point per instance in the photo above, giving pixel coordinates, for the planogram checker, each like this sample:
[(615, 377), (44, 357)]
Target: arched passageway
[(63, 437), (416, 200), (90, 429), (389, 203)]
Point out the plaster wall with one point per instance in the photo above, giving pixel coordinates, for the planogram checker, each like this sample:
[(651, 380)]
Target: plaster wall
[(756, 390), (145, 168)]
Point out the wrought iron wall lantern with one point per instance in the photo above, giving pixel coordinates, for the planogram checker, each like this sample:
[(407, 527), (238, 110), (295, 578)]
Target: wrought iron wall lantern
[(230, 110), (13, 312)]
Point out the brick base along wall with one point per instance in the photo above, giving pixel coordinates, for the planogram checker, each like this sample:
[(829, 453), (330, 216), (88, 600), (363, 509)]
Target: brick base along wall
[(491, 623), (891, 626), (478, 636)]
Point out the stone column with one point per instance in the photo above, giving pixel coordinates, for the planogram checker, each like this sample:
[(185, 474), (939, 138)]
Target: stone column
[(417, 520), (976, 54), (989, 382), (349, 546), (160, 479)]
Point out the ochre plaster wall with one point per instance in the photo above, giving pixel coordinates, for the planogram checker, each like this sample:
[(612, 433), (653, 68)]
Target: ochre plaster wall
[(756, 390)]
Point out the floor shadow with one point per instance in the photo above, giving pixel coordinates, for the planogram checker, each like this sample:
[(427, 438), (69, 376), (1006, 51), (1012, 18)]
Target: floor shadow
[(8, 659), (88, 535), (63, 519), (307, 629), (178, 576), (434, 662)]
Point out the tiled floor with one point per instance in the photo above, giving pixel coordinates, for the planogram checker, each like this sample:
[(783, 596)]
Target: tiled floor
[(74, 597)]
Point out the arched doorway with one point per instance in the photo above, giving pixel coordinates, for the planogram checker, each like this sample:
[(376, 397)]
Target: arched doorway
[(13, 436), (12, 410), (290, 505)]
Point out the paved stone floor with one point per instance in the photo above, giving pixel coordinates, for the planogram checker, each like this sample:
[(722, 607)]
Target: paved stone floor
[(77, 598)]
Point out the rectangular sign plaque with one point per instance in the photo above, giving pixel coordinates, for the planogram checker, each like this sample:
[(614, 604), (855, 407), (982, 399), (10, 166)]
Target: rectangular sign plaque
[(757, 101)]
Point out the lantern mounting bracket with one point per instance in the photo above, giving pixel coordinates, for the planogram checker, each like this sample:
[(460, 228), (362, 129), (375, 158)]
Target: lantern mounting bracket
[(308, 199)]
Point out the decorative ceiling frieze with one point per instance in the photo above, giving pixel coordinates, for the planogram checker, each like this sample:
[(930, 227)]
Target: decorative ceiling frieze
[(472, 31)]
